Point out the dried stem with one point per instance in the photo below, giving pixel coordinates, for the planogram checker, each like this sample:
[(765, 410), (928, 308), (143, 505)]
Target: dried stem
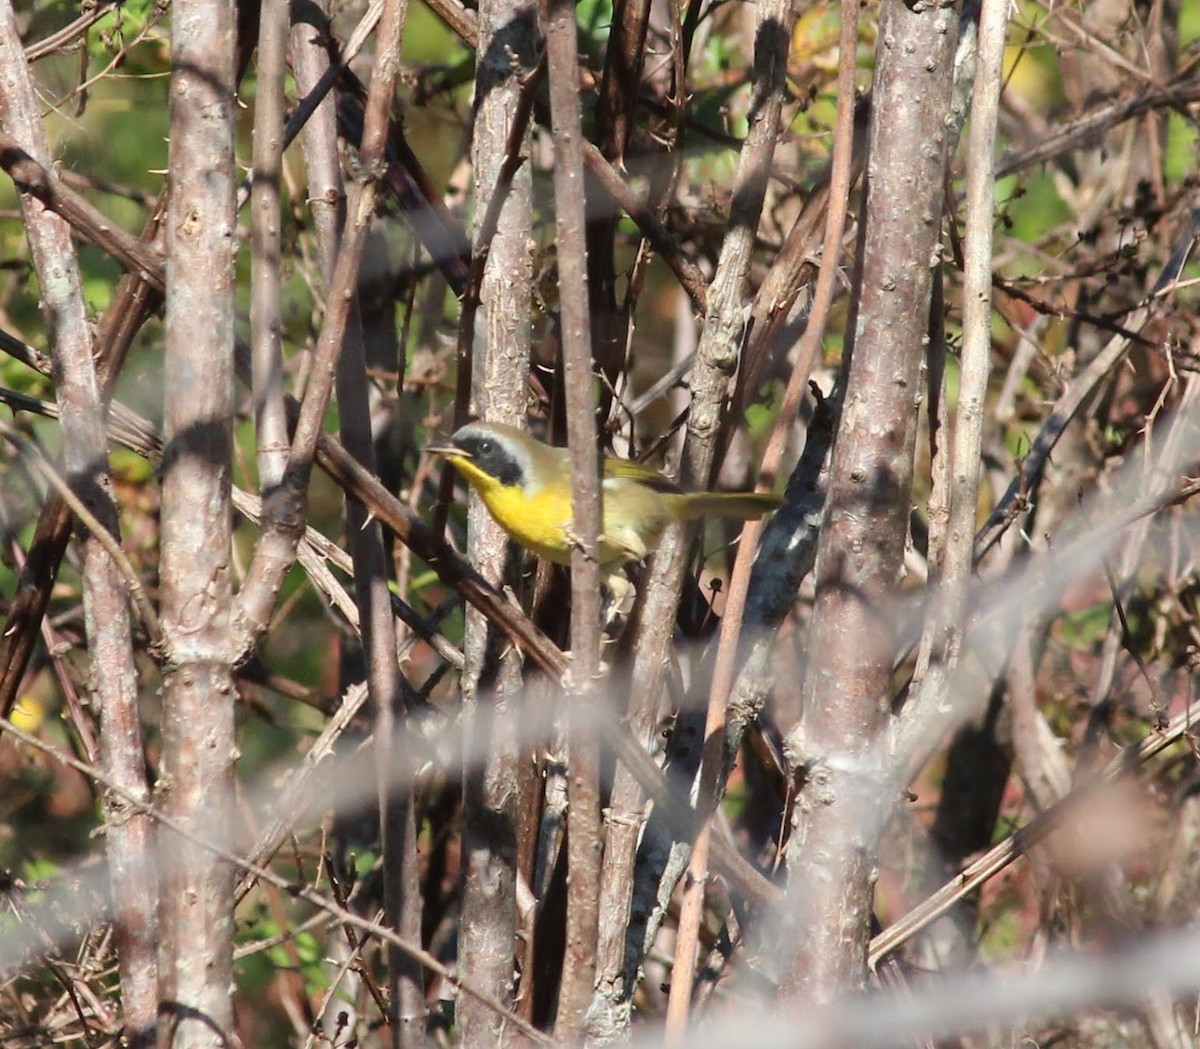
[(793, 265), (266, 237), (275, 552)]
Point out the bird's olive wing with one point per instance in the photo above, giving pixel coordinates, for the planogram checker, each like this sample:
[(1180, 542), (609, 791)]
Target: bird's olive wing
[(622, 469)]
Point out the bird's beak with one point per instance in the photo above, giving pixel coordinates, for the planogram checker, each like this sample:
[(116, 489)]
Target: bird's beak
[(445, 449)]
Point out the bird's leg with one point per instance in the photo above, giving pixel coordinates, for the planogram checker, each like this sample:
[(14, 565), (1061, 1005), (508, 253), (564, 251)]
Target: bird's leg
[(621, 592), (621, 595)]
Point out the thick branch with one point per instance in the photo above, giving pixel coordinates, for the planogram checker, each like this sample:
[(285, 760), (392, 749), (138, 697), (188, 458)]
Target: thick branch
[(583, 815), (198, 731), (494, 358), (866, 520)]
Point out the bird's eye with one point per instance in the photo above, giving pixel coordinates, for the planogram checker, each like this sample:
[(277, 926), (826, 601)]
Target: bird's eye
[(485, 445)]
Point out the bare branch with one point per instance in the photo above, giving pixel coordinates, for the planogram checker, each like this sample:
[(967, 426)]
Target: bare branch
[(276, 549), (719, 743), (583, 814), (90, 494), (958, 557), (30, 176), (493, 353), (1099, 118), (266, 276), (866, 518), (402, 895), (196, 774)]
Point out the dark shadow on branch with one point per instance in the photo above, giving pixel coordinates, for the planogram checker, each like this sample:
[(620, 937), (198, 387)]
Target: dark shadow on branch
[(510, 53)]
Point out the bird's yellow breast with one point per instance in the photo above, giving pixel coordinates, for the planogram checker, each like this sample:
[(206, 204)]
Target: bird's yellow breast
[(538, 521)]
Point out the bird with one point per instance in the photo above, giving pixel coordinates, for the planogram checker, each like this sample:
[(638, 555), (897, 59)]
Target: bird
[(526, 486)]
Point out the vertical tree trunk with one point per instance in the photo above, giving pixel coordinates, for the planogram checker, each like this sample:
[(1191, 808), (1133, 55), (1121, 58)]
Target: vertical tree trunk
[(832, 852), (506, 49), (198, 730)]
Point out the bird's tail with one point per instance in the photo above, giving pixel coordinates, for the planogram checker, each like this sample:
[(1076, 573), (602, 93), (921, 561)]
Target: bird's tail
[(742, 505)]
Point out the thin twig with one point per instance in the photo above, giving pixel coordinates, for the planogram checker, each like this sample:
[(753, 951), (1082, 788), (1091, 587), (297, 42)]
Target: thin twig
[(112, 546), (299, 792), (266, 241), (64, 39), (1015, 499), (139, 258), (285, 510), (652, 228), (265, 874), (1019, 844), (1100, 118), (318, 92)]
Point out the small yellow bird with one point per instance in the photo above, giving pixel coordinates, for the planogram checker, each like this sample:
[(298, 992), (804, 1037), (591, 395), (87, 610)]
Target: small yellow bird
[(526, 486)]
